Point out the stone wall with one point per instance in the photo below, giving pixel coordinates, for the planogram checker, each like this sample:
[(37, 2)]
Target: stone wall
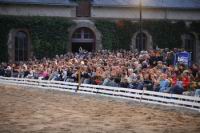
[(33, 10), (100, 12), (133, 13)]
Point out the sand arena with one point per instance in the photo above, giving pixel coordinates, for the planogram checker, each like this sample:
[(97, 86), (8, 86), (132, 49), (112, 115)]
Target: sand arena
[(24, 110)]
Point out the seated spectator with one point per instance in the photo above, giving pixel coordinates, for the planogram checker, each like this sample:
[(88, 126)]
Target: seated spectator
[(164, 84), (2, 70), (8, 71), (124, 83), (147, 82), (177, 86), (186, 80)]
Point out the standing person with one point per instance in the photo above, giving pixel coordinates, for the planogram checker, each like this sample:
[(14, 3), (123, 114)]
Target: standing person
[(170, 58), (80, 50), (153, 60), (195, 69)]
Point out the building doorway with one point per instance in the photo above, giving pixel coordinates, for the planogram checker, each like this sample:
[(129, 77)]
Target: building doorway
[(83, 38), (141, 41), (21, 46)]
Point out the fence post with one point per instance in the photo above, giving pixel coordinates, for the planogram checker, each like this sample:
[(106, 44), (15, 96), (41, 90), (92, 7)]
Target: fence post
[(194, 101), (171, 100), (24, 83), (48, 84), (142, 95), (38, 82), (97, 90)]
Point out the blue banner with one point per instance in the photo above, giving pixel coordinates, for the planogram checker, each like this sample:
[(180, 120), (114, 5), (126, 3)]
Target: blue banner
[(183, 58)]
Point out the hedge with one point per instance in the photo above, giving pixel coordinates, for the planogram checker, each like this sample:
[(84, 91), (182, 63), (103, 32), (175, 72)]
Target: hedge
[(118, 34)]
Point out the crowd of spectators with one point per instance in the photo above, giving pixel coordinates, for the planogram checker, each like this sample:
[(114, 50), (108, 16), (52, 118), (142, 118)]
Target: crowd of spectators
[(151, 70)]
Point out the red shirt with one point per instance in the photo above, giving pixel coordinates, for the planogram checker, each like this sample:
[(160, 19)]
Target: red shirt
[(174, 79), (186, 82)]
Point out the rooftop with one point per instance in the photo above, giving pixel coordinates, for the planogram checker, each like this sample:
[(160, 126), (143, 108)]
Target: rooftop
[(190, 4), (39, 2), (150, 3)]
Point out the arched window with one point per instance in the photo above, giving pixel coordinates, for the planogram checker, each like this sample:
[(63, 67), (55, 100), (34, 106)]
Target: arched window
[(189, 41), (84, 38), (83, 33), (21, 46), (141, 41)]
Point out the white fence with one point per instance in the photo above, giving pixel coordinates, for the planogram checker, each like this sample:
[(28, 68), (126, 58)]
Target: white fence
[(138, 95)]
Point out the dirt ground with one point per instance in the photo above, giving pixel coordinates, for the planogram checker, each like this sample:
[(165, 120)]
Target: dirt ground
[(25, 110)]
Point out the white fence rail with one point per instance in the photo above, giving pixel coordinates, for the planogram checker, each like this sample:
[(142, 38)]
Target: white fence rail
[(138, 95)]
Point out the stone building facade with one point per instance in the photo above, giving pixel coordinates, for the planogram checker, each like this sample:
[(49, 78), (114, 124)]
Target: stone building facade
[(85, 12)]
